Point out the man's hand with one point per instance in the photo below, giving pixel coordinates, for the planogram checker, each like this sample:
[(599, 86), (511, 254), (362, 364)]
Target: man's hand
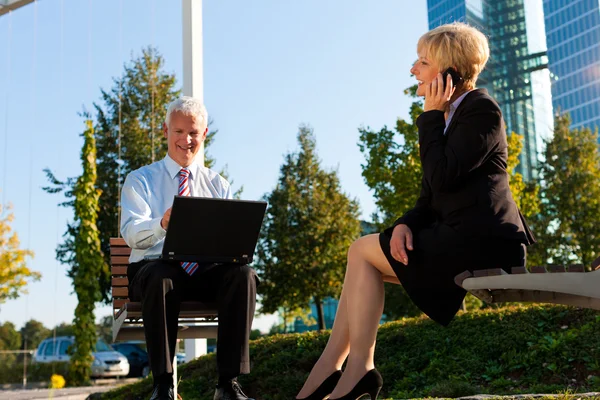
[(401, 240), (436, 97), (164, 222)]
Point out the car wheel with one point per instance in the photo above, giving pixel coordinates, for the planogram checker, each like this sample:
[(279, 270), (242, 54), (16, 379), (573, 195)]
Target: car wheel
[(145, 371)]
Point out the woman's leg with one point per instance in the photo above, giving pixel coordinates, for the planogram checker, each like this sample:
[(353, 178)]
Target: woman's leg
[(334, 354), (367, 267), (364, 254)]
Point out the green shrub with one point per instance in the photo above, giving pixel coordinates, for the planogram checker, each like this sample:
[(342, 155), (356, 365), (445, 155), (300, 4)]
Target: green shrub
[(36, 372), (511, 350)]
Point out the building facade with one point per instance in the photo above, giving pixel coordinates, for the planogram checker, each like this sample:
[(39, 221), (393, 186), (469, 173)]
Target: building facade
[(573, 38), (517, 74)]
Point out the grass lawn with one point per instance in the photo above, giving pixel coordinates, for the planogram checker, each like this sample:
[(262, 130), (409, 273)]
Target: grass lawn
[(503, 351)]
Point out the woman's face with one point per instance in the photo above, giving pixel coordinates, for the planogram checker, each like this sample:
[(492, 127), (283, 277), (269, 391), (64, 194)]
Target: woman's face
[(425, 71)]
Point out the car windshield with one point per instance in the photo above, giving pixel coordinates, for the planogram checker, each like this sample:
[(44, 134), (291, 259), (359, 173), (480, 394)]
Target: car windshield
[(101, 345)]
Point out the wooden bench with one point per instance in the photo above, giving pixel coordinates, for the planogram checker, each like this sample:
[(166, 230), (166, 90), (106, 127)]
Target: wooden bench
[(557, 284), (196, 319)]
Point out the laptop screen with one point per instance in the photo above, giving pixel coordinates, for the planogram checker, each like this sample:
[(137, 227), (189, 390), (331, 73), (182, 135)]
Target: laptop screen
[(213, 230)]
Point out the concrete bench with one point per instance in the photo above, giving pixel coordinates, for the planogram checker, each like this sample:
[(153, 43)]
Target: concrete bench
[(557, 284)]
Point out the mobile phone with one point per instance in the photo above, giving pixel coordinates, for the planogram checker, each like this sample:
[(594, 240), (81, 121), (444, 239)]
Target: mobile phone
[(456, 78)]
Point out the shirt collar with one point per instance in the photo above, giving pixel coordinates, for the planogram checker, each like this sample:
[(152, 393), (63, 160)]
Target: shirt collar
[(173, 168), (454, 105)]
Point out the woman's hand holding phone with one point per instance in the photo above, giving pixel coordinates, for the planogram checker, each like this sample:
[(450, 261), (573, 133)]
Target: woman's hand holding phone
[(437, 95)]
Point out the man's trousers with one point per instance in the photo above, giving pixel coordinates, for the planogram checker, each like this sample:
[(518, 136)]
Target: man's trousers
[(161, 286)]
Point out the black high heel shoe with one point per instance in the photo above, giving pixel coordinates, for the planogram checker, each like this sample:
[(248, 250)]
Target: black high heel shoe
[(325, 388), (370, 384)]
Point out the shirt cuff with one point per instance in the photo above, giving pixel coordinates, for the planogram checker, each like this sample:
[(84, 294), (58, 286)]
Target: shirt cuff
[(159, 232)]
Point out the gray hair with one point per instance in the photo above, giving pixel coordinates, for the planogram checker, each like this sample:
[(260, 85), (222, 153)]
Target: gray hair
[(188, 106)]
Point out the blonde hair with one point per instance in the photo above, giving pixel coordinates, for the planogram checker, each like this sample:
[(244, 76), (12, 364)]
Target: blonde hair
[(457, 45)]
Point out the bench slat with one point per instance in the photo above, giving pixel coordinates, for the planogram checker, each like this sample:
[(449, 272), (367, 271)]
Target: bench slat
[(118, 303), (118, 271), (120, 251), (489, 272), (119, 260), (120, 291), (556, 268), (576, 268), (120, 281), (117, 242)]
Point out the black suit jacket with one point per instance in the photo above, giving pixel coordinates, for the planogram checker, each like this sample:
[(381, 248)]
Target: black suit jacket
[(465, 182)]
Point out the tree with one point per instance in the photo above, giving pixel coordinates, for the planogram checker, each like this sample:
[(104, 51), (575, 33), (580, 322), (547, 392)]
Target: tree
[(33, 332), (307, 230), (10, 339), (526, 194), (136, 104), (89, 261), (64, 329), (14, 271), (570, 208), (393, 167), (105, 328)]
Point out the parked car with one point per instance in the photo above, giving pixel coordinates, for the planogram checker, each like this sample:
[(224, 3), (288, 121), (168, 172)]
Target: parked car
[(107, 362), (137, 355)]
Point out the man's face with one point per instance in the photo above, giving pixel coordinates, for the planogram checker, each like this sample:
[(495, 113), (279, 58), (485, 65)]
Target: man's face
[(184, 137)]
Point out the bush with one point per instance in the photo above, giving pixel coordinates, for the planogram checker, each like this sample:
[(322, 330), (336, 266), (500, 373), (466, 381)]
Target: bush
[(511, 350), (36, 372)]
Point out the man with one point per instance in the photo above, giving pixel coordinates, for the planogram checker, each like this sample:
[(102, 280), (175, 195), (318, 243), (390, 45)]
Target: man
[(146, 201)]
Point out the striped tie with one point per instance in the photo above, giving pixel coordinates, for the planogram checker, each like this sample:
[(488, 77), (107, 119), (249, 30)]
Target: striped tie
[(184, 190)]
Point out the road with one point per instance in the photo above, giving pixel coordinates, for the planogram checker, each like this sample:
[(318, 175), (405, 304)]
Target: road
[(76, 393)]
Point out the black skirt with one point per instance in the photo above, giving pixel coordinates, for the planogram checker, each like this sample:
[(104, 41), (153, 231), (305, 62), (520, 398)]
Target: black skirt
[(440, 253)]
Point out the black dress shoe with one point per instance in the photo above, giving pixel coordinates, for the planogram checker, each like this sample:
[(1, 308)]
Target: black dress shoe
[(162, 391), (230, 391)]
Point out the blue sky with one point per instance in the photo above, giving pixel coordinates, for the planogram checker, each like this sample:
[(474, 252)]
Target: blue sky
[(269, 66)]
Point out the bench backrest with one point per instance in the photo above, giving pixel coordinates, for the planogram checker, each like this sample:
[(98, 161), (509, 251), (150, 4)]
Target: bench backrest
[(119, 260)]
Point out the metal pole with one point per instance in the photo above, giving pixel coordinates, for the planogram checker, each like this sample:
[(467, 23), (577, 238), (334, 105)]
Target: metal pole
[(193, 86), (192, 55), (25, 362)]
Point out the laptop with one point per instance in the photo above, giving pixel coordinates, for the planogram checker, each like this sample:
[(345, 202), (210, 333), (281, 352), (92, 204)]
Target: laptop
[(208, 230)]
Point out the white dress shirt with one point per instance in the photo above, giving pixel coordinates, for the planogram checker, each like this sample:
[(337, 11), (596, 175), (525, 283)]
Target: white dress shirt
[(149, 191), (453, 108)]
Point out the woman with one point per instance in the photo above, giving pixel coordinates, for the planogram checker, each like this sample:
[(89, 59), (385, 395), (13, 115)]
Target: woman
[(464, 219)]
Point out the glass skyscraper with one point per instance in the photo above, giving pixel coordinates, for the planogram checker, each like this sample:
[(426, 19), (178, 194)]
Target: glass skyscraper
[(516, 75), (573, 37)]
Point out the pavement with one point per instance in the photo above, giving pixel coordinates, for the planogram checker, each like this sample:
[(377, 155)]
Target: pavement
[(75, 393)]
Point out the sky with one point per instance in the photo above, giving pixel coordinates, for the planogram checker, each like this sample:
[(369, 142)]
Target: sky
[(269, 66)]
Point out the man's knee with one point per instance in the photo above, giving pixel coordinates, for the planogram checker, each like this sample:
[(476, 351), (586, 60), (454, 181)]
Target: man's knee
[(243, 274), (158, 274)]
